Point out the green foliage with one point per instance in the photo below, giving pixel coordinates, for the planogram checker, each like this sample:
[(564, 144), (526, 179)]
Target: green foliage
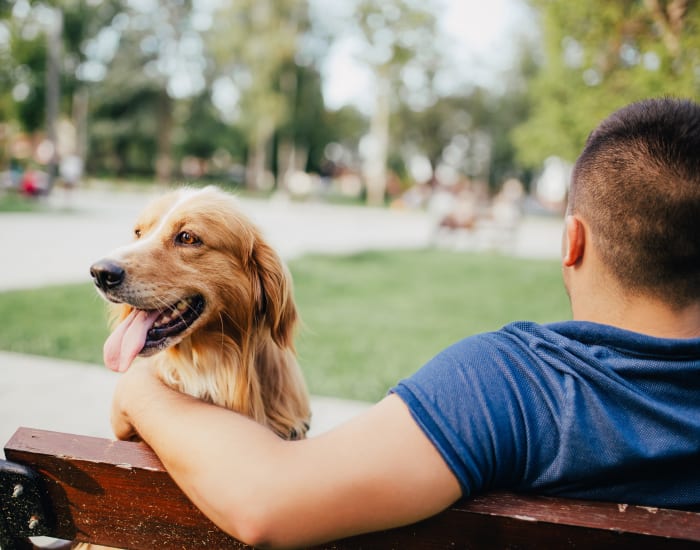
[(202, 132), (306, 109), (476, 114), (134, 124), (346, 125), (598, 55), (392, 31), (123, 138), (28, 67), (23, 61), (254, 44), (601, 55), (368, 319)]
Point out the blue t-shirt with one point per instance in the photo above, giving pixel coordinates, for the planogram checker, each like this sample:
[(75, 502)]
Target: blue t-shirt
[(573, 409)]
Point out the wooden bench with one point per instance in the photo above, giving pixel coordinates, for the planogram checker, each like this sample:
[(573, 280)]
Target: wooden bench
[(117, 493)]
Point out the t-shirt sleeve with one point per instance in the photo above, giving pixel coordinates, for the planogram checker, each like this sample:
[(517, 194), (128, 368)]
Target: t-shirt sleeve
[(466, 402)]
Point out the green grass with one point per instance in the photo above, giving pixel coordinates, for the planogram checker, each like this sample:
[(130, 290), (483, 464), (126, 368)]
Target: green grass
[(369, 319), (69, 322), (14, 202), (373, 318)]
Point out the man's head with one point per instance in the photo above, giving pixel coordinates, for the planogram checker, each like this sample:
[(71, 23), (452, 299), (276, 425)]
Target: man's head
[(637, 186)]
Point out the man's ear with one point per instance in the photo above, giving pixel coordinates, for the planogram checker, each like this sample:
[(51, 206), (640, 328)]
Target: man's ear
[(574, 240)]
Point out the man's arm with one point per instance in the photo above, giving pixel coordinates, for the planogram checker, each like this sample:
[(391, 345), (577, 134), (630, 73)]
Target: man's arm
[(376, 471)]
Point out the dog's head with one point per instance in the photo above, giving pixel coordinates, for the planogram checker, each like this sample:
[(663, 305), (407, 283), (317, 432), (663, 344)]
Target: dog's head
[(196, 266)]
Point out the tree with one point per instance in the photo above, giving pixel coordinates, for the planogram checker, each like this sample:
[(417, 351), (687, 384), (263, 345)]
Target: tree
[(399, 38), (254, 45), (23, 76), (42, 81), (156, 62), (203, 133), (298, 136), (600, 55), (82, 23), (255, 89), (470, 131)]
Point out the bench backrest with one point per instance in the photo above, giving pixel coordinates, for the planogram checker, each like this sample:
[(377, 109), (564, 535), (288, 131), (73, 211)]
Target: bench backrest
[(117, 493)]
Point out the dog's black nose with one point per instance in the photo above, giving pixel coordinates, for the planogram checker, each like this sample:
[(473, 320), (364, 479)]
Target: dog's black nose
[(107, 274)]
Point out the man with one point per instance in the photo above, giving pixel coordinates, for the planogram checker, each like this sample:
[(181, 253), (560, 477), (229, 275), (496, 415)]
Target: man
[(606, 406)]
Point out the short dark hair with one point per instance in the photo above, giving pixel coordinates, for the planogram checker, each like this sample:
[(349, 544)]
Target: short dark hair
[(637, 184)]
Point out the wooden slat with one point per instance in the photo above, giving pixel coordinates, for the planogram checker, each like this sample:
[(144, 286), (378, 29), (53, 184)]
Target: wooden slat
[(619, 518), (118, 493)]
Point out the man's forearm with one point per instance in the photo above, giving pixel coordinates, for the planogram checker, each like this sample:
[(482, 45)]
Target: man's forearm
[(207, 450), (374, 472)]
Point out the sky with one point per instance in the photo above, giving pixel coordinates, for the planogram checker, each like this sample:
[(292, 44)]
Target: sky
[(481, 37)]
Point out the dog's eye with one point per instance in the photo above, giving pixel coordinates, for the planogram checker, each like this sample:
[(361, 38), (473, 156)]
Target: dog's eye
[(137, 233), (187, 238)]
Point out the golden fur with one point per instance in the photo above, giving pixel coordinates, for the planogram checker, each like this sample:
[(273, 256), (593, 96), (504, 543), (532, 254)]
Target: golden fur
[(239, 353)]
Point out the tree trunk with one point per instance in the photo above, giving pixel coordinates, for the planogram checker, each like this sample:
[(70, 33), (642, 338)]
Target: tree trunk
[(80, 115), (164, 155), (53, 90), (376, 155), (257, 157)]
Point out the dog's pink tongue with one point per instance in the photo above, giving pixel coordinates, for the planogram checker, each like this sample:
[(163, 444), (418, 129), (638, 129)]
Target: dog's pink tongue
[(127, 340)]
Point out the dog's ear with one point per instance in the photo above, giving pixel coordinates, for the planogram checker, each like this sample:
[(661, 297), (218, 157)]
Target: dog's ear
[(273, 294)]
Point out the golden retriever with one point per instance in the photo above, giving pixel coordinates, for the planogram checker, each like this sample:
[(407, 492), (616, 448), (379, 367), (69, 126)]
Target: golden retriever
[(201, 294)]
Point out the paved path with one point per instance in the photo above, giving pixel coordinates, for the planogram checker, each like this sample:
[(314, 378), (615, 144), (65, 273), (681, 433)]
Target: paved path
[(68, 396), (58, 247)]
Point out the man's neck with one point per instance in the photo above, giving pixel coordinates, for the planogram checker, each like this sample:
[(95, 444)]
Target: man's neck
[(640, 314), (597, 295)]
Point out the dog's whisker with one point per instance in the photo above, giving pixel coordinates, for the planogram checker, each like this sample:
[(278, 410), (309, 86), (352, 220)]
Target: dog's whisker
[(173, 305)]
